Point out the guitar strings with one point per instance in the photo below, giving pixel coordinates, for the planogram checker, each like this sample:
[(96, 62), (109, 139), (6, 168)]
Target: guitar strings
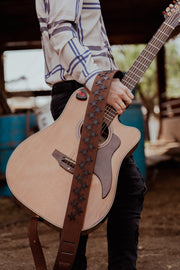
[(137, 70), (141, 64), (160, 35), (148, 53)]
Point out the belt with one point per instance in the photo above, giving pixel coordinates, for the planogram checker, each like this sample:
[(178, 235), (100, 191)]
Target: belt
[(65, 86)]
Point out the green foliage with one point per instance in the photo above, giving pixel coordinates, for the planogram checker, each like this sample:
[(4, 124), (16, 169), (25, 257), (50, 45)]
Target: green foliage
[(173, 69), (125, 55)]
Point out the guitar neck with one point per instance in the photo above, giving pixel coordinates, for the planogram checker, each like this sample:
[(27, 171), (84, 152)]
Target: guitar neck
[(146, 57), (135, 73)]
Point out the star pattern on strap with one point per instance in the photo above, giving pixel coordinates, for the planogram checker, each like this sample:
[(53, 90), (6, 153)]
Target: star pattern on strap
[(89, 127), (81, 198), (77, 190), (102, 74), (103, 87), (99, 82), (84, 163), (100, 98), (91, 115), (81, 165), (96, 93), (93, 134), (78, 210), (105, 78), (84, 185), (88, 159), (97, 110), (86, 139), (94, 103), (86, 172), (74, 203), (91, 146), (79, 178), (95, 122), (84, 152), (72, 216)]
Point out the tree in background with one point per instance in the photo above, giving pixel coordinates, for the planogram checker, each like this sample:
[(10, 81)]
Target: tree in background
[(125, 55), (173, 69)]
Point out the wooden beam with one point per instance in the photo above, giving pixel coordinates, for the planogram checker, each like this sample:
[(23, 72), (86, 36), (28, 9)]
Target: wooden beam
[(5, 109), (28, 93), (22, 45), (161, 81)]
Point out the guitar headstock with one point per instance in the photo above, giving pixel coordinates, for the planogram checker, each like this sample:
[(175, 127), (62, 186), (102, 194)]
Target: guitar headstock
[(173, 11)]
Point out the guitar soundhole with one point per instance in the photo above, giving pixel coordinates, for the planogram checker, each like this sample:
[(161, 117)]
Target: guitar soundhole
[(104, 133)]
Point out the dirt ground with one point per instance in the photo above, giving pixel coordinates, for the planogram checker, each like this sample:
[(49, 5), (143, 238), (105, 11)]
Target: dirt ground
[(159, 242)]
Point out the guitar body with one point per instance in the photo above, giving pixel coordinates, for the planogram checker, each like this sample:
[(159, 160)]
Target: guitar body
[(40, 171), (37, 180)]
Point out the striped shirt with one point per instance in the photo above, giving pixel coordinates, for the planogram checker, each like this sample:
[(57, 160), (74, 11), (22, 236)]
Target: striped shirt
[(74, 40)]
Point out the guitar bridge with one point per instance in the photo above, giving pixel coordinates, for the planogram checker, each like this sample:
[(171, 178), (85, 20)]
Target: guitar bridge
[(64, 161)]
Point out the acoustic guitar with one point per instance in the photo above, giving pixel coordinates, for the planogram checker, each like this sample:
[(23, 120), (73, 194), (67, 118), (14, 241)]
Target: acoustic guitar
[(40, 170)]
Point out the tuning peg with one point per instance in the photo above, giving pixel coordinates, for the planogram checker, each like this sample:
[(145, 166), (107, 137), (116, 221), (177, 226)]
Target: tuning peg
[(171, 6), (167, 12)]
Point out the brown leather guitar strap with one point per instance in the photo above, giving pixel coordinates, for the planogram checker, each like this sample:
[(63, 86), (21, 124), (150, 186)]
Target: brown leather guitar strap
[(85, 162), (35, 244), (83, 172)]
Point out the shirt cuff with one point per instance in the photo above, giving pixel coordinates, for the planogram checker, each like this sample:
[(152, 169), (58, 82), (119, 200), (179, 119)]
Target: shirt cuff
[(90, 79)]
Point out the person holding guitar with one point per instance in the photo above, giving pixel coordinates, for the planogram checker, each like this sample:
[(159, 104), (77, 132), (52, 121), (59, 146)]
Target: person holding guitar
[(76, 49)]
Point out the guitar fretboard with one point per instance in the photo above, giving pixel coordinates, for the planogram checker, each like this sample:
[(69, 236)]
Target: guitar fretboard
[(135, 73)]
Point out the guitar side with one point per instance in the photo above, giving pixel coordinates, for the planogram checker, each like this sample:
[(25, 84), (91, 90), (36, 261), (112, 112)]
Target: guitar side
[(38, 181)]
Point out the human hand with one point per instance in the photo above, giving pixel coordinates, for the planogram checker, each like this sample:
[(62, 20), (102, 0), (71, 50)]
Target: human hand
[(119, 96)]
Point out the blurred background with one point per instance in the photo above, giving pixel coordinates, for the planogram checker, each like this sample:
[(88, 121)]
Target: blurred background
[(24, 110)]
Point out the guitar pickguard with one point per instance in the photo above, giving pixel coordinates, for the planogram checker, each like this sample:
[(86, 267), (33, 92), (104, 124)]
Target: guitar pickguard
[(102, 168)]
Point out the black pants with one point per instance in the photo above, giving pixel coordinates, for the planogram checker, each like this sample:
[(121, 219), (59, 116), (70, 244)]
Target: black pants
[(123, 218)]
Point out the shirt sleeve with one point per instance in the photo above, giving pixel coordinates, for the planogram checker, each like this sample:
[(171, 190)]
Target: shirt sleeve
[(64, 32)]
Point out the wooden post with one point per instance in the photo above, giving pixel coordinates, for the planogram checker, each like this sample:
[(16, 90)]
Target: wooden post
[(4, 107), (161, 81)]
